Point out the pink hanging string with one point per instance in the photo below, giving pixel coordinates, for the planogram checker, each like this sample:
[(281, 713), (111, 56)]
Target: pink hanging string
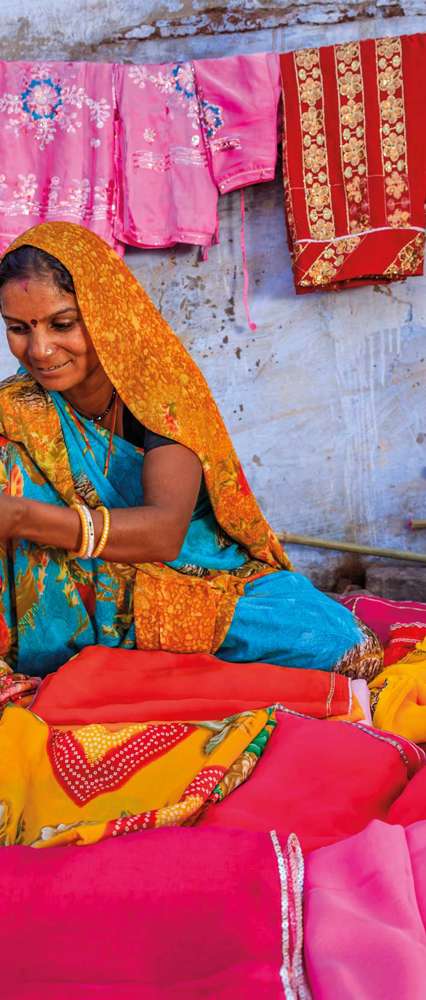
[(251, 324)]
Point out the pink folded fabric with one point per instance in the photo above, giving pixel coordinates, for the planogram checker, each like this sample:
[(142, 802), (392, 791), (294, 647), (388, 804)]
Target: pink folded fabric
[(171, 913), (380, 613), (360, 690), (365, 911), (56, 146)]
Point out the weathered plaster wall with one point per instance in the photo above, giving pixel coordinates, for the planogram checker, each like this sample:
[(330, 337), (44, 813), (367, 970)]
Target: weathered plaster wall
[(91, 28), (326, 400)]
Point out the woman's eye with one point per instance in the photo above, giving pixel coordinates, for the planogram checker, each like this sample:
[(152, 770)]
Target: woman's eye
[(16, 329), (63, 326)]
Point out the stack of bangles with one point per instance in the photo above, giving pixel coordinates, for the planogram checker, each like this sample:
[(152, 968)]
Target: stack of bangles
[(87, 549)]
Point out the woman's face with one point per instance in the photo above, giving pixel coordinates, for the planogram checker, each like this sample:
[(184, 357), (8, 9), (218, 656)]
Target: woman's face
[(46, 333)]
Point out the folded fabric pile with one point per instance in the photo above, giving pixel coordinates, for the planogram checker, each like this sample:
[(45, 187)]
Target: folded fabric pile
[(120, 741), (296, 806)]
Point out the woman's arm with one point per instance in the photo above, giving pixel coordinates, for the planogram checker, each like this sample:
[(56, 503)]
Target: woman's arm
[(152, 533)]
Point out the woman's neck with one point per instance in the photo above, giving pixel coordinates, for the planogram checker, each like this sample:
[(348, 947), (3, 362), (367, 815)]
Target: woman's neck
[(92, 396)]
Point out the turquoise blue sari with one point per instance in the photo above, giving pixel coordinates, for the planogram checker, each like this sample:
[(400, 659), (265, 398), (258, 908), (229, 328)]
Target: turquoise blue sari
[(54, 606)]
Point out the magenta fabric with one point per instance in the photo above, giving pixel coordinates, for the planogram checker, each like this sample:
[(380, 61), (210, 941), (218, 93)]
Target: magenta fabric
[(324, 780), (169, 913), (365, 910), (56, 146), (380, 613), (239, 99)]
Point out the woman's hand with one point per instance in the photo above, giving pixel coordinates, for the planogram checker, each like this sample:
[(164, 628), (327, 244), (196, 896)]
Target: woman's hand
[(10, 517)]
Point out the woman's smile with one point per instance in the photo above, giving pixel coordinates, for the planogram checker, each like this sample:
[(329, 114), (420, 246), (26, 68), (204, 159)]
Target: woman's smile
[(52, 370)]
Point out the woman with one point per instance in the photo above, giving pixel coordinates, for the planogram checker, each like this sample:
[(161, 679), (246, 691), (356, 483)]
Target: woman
[(125, 516)]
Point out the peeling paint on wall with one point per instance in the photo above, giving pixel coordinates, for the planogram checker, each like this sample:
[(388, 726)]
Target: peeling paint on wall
[(92, 28)]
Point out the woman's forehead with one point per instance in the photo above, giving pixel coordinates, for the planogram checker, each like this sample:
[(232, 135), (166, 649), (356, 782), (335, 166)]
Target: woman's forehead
[(35, 291)]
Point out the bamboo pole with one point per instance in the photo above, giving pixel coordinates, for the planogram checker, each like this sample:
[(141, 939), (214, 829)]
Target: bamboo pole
[(416, 524), (369, 550)]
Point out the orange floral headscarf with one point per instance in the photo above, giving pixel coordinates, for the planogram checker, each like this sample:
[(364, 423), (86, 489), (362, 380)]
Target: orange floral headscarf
[(160, 383)]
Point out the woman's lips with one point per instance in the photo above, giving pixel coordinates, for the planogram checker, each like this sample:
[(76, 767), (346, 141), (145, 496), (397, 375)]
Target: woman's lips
[(52, 369)]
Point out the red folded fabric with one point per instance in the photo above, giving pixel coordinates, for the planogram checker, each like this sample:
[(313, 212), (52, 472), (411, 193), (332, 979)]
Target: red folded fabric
[(403, 639), (381, 614), (323, 781), (122, 685), (354, 163)]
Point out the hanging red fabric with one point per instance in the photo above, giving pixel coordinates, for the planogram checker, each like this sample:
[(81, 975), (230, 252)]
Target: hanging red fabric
[(354, 163)]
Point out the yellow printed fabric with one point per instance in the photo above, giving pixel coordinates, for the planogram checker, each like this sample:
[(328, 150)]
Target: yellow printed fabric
[(81, 784), (399, 696)]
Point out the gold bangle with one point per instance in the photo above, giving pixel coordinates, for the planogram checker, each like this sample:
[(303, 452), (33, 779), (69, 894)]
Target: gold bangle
[(79, 507), (105, 531)]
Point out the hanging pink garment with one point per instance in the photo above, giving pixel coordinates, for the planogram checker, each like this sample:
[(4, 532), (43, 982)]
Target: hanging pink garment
[(187, 130), (365, 913), (239, 100), (167, 192), (56, 146)]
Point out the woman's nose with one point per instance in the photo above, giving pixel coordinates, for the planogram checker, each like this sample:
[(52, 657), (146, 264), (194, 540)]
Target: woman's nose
[(39, 346)]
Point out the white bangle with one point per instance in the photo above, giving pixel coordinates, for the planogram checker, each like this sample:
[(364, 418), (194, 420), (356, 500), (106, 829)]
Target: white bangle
[(91, 533)]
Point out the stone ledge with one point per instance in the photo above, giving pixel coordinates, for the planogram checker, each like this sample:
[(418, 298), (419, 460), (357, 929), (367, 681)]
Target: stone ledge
[(399, 582)]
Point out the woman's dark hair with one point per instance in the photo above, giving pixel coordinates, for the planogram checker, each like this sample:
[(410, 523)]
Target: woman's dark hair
[(30, 262)]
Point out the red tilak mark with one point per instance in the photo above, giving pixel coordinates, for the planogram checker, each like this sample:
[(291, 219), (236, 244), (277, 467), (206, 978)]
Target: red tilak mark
[(34, 322)]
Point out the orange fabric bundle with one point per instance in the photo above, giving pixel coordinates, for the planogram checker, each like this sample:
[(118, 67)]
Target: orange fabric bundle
[(102, 685)]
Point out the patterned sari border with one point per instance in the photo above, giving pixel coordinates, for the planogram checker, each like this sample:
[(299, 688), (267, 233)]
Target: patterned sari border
[(353, 149), (390, 86), (316, 171)]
